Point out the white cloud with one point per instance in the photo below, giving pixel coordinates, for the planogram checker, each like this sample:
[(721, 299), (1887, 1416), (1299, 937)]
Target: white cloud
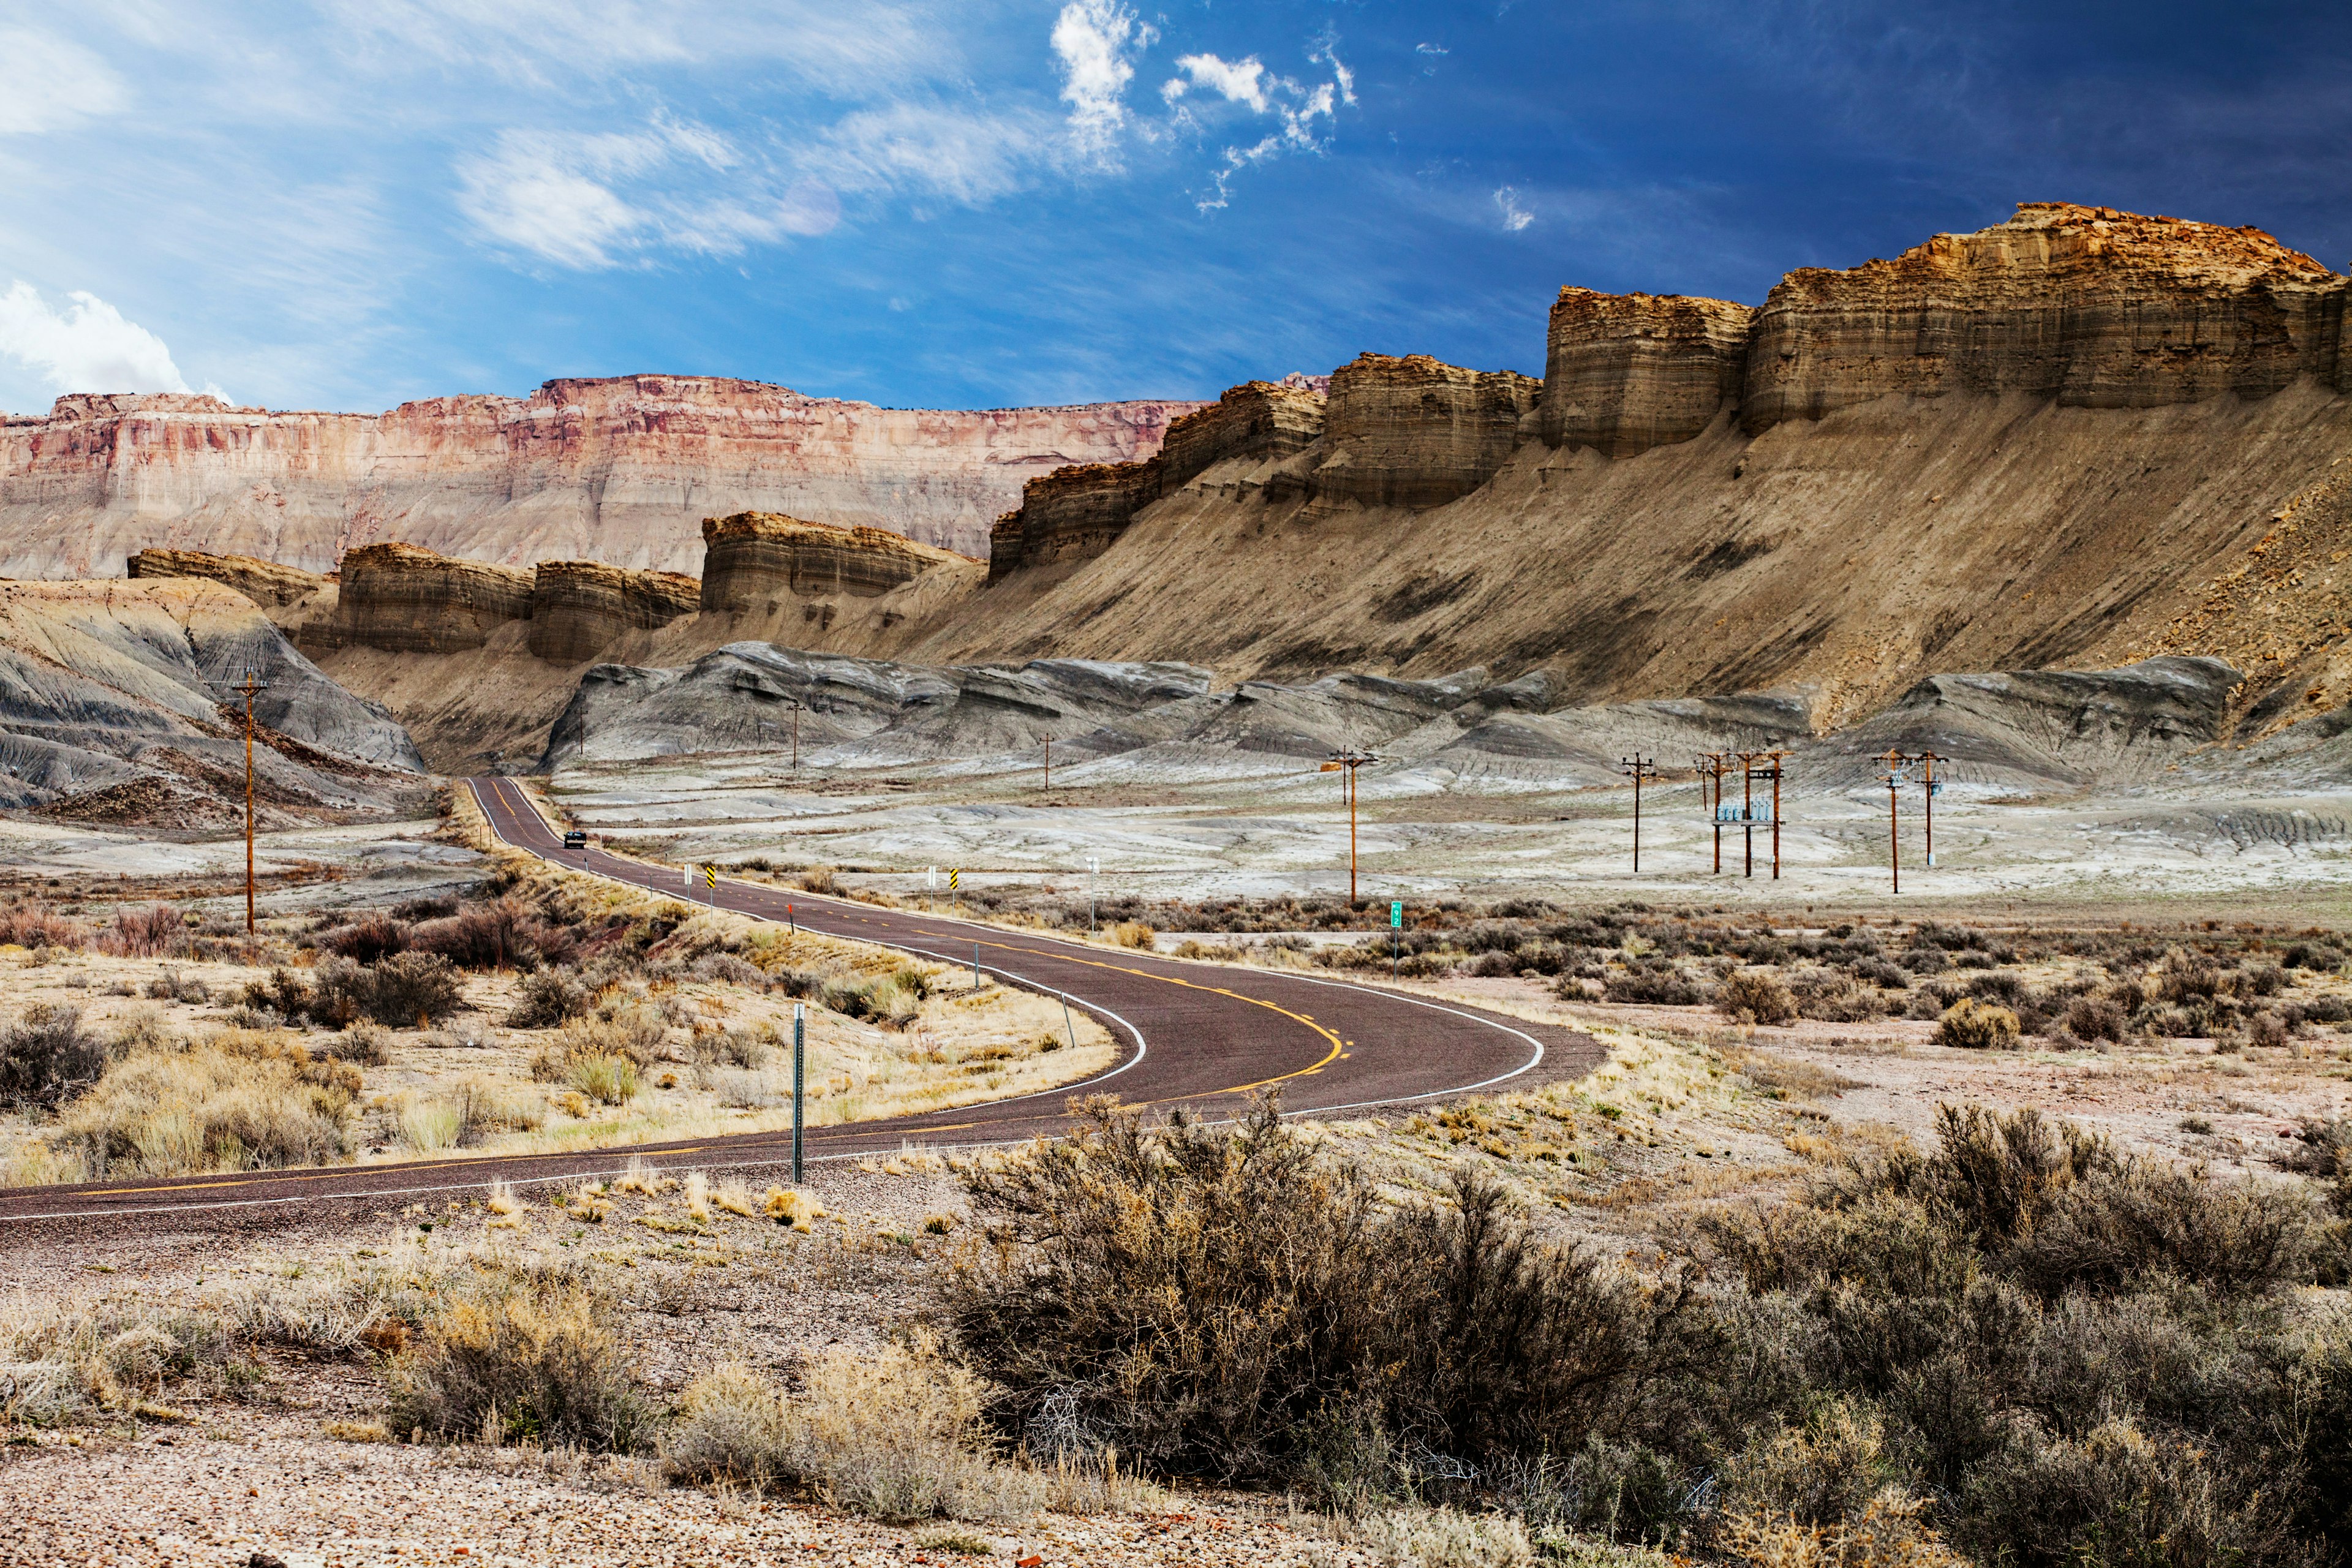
[(1431, 54), (48, 83), (935, 150), (1514, 217), (1239, 81), (1296, 108), (85, 347), (1092, 38)]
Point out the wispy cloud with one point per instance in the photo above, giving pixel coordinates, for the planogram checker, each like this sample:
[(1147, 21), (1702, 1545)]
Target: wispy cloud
[(48, 83), (934, 152), (1091, 39), (1301, 112), (89, 346), (1514, 217)]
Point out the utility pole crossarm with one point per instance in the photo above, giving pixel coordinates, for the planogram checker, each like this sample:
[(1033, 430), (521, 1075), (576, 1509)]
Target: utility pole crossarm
[(1346, 762), (1637, 767)]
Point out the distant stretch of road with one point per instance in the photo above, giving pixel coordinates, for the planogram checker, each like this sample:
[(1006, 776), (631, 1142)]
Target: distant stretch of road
[(1205, 1036)]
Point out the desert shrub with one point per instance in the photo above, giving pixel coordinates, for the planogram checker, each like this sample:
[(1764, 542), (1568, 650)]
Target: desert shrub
[(2190, 976), (1824, 1470), (35, 926), (1270, 1320), (404, 990), (2095, 1018), (63, 1361), (2261, 980), (2138, 1220), (364, 1044), (626, 1028), (1132, 933), (549, 997), (469, 1111), (499, 934), (733, 1048), (367, 939), (1831, 995), (238, 1100), (173, 985), (821, 879), (47, 1057), (1977, 1025), (897, 1436), (155, 932), (1882, 974), (512, 1353), (1924, 961), (1655, 980), (727, 968), (1755, 996)]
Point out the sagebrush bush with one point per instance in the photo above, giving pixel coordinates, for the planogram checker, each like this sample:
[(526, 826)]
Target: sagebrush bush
[(1975, 1026), (367, 939), (1132, 933), (510, 1352), (499, 934), (1755, 996), (35, 926), (549, 997), (896, 1435), (156, 932), (1236, 1305), (47, 1057)]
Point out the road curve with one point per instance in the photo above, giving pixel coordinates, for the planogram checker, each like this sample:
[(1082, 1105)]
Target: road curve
[(1203, 1036)]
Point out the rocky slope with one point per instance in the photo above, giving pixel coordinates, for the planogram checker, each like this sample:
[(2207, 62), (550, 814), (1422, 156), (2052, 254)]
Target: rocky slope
[(2078, 437), (115, 705), (578, 608), (402, 599), (621, 469), (266, 583)]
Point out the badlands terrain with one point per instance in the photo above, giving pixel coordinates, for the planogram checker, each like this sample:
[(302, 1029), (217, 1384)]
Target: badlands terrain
[(2062, 502)]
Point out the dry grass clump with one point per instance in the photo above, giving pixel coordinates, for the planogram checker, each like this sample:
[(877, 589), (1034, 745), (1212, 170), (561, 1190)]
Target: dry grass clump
[(237, 1100), (1755, 996), (1132, 933), (1436, 1538), (897, 1436), (64, 1360), (512, 1351), (35, 926)]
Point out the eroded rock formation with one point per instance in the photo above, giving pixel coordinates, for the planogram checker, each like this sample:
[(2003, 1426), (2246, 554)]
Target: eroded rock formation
[(1417, 432), (405, 600), (1624, 373), (753, 558), (1075, 513), (622, 469), (266, 583), (578, 607)]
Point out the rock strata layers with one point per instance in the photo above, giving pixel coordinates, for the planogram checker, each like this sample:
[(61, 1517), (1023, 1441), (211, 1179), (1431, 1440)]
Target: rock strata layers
[(754, 561), (405, 600), (266, 583), (1417, 432), (579, 608), (1075, 513), (1624, 373), (621, 468)]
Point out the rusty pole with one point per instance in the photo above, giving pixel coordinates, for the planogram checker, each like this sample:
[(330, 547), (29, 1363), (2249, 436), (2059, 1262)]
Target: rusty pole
[(1637, 767)]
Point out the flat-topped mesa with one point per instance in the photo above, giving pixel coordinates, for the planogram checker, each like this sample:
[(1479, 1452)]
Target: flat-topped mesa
[(402, 599), (2088, 306), (1079, 511), (266, 583), (1417, 432), (751, 559), (1624, 373), (578, 607)]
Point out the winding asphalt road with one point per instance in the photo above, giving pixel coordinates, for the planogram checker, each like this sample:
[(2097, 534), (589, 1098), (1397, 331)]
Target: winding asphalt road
[(1201, 1035)]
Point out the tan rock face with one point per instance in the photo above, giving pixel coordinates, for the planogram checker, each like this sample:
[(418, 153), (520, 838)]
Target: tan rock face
[(621, 469), (2087, 306), (405, 600), (579, 608), (266, 583), (1075, 513), (753, 558), (1624, 373), (1417, 432)]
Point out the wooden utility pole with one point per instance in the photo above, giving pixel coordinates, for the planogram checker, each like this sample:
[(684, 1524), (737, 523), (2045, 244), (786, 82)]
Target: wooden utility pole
[(1347, 762), (1760, 765), (1928, 760), (796, 736), (250, 687), (1710, 766), (1637, 767), (1896, 779), (1049, 765)]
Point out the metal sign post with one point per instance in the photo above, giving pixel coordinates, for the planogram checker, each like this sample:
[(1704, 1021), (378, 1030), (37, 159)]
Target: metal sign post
[(800, 1081), (1637, 767)]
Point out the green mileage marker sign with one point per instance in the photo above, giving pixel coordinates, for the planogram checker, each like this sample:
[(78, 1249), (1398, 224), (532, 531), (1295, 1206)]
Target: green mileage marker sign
[(1396, 940), (1396, 913)]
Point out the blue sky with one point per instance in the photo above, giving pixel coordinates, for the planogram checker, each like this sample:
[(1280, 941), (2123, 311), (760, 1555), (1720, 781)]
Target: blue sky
[(347, 203)]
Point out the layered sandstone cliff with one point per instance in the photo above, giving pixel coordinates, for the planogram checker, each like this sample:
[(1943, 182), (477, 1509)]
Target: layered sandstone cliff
[(622, 469), (2077, 437), (266, 583), (753, 561), (1075, 513), (402, 599), (579, 608), (2083, 307)]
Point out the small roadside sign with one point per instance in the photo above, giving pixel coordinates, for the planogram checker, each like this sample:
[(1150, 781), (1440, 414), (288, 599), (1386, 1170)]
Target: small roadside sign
[(1396, 912), (710, 876), (955, 878)]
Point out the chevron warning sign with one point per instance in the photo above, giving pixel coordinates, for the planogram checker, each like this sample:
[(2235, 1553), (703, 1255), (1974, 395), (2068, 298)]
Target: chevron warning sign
[(955, 878), (710, 877)]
